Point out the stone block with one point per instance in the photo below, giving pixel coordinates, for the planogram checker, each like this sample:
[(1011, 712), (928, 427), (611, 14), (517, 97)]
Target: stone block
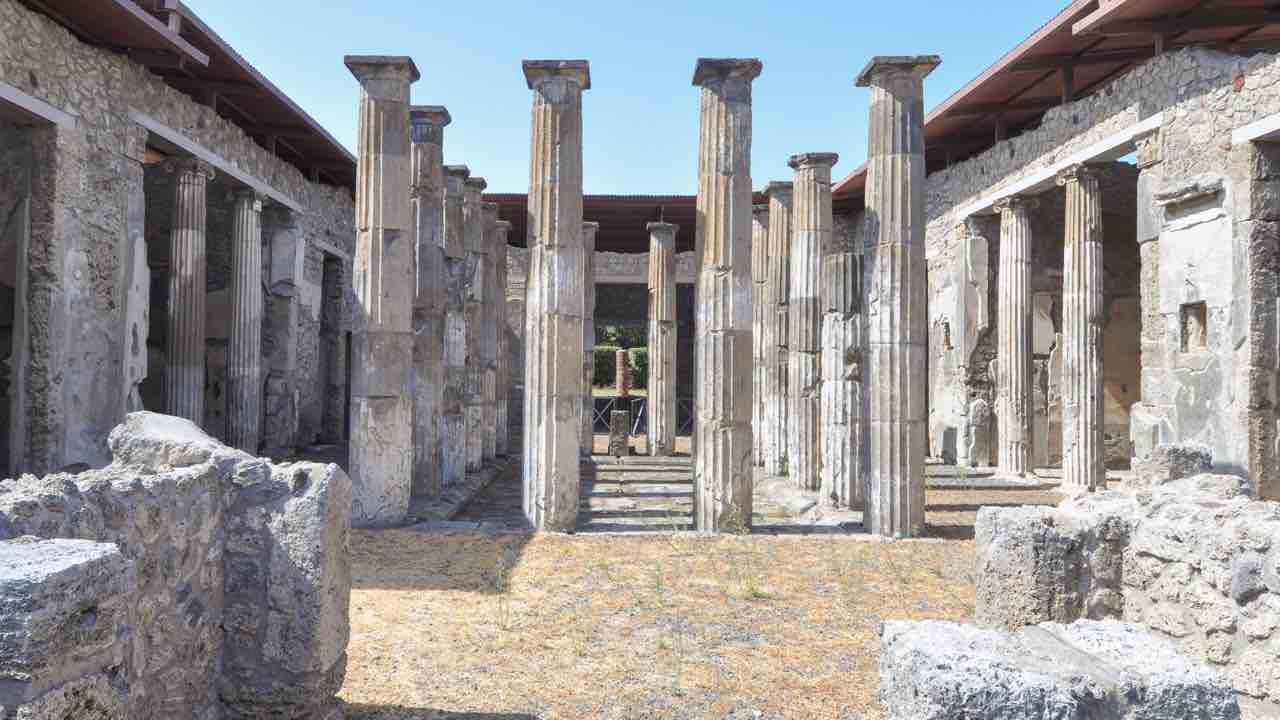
[(1168, 462), (1104, 670), (620, 433), (161, 442)]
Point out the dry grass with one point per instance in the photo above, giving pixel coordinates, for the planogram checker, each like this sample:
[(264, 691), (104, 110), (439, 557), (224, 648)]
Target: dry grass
[(675, 626)]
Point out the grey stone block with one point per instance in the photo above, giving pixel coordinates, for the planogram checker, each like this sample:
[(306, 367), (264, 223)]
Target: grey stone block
[(1098, 670), (1168, 462)]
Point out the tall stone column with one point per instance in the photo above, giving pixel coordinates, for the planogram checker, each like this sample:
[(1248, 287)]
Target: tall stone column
[(722, 458), (662, 338), (428, 123), (777, 327), (244, 348), (489, 337), (759, 278), (381, 464), (1013, 337), (553, 334), (589, 230), (897, 317), (188, 264), (810, 234), (502, 440), (453, 427), (1083, 453), (473, 231)]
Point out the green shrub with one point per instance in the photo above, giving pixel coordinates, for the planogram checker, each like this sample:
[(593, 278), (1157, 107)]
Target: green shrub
[(606, 369), (638, 358)]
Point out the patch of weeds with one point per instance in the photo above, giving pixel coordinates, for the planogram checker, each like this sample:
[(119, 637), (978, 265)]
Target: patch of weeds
[(500, 584), (732, 521)]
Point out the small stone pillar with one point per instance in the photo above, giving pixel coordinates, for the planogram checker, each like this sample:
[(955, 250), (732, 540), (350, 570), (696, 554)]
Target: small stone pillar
[(1148, 418), (502, 443), (722, 458), (427, 126), (244, 348), (489, 337), (553, 362), (621, 374), (811, 232), (453, 423), (188, 264), (777, 327), (381, 464), (1013, 337), (473, 231), (897, 316), (661, 404), (589, 230), (759, 277), (620, 433), (1083, 453)]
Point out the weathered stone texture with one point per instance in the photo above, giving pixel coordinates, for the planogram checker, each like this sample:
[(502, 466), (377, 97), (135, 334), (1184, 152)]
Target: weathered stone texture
[(1013, 395), (759, 278), (662, 339), (502, 324), (1166, 463), (453, 426), (843, 355), (620, 433), (777, 295), (244, 351), (589, 230), (476, 258)]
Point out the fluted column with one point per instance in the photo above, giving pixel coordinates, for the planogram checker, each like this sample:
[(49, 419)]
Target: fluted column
[(1082, 449), (244, 347), (589, 230), (427, 125), (722, 458), (662, 338), (897, 354), (381, 464), (1013, 337), (810, 232), (502, 436), (489, 337), (188, 264), (553, 331), (777, 299), (473, 231), (759, 278), (453, 423)]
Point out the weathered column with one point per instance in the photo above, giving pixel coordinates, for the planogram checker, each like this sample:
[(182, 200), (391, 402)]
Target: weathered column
[(428, 124), (489, 337), (722, 458), (185, 351), (453, 423), (897, 318), (381, 464), (502, 440), (589, 230), (1083, 453), (759, 278), (1013, 337), (621, 374), (244, 348), (661, 405), (777, 327), (553, 335), (810, 233), (473, 231)]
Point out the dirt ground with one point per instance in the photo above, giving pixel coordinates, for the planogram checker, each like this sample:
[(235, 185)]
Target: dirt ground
[(454, 625)]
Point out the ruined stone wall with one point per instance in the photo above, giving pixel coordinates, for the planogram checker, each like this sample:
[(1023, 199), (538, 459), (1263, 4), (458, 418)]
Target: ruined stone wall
[(15, 180), (1203, 95), (86, 184)]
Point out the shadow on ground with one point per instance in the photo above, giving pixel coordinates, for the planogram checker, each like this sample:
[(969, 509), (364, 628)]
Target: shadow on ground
[(466, 561), (360, 711)]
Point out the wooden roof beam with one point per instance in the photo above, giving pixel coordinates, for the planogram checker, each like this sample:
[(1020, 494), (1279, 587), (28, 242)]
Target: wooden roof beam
[(1104, 57), (1029, 105), (1187, 23)]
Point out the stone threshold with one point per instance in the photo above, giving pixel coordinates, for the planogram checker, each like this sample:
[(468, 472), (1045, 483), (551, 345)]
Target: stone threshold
[(435, 512)]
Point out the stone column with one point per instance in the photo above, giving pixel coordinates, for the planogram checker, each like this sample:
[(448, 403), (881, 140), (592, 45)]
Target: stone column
[(185, 351), (1149, 417), (722, 429), (381, 464), (244, 348), (777, 327), (1083, 453), (473, 231), (589, 230), (662, 338), (759, 278), (428, 124), (621, 374), (810, 233), (453, 423), (553, 335), (897, 317), (1013, 337), (489, 337), (502, 439)]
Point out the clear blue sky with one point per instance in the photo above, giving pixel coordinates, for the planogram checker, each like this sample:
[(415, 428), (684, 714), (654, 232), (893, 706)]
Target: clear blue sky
[(640, 117)]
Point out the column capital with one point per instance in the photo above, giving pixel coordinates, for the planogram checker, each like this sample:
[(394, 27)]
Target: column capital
[(655, 228), (476, 183), (189, 165), (760, 208), (709, 69), (384, 68), (503, 227), (433, 115), (248, 194), (1149, 149), (891, 65), (457, 171), (1016, 203), (490, 208), (818, 159), (591, 226), (537, 72), (1078, 172), (779, 189)]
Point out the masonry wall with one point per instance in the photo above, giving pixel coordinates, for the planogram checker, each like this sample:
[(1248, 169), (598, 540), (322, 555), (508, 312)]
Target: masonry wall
[(15, 178), (85, 215)]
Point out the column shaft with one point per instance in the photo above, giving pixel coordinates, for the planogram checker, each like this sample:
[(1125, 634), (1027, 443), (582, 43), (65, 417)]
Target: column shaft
[(453, 427), (759, 353), (188, 264), (489, 338), (722, 462), (1013, 337), (777, 297), (553, 365), (588, 335), (473, 228), (662, 339), (428, 123), (502, 435), (1083, 453), (244, 348), (896, 367)]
